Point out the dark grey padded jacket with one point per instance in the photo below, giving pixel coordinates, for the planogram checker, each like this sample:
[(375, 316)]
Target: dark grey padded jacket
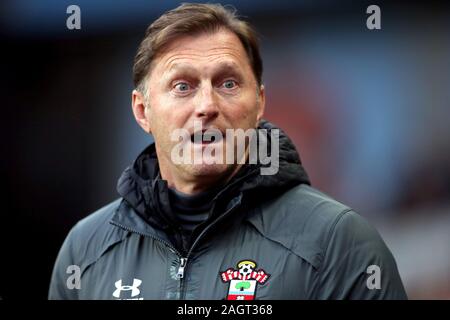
[(267, 237)]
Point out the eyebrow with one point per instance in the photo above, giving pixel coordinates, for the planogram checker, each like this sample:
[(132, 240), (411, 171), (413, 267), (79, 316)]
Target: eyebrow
[(228, 66)]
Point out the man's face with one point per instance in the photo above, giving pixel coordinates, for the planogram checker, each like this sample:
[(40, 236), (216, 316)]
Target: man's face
[(204, 79)]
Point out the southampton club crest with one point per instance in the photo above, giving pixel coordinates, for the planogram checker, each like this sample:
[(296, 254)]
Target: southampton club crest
[(243, 281)]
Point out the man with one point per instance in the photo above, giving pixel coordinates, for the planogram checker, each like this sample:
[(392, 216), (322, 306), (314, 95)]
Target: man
[(210, 228)]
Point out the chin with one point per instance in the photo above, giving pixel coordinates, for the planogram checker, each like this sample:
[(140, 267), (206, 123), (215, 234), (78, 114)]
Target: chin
[(210, 170)]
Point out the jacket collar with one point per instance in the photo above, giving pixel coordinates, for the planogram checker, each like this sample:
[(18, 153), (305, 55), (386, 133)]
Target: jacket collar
[(143, 190)]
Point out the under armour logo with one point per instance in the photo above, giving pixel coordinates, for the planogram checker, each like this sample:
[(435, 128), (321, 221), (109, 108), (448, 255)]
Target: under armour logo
[(134, 288)]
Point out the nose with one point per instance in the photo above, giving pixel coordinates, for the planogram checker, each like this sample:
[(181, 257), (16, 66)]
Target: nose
[(206, 106)]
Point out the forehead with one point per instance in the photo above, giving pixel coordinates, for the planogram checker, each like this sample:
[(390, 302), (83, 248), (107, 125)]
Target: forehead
[(203, 50)]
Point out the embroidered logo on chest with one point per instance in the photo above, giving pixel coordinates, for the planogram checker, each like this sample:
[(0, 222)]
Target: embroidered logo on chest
[(243, 280)]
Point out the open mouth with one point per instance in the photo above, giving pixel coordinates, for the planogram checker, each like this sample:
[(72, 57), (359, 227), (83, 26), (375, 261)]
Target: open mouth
[(206, 136)]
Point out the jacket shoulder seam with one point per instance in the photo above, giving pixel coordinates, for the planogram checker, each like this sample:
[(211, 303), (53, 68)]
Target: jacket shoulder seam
[(333, 227), (283, 246), (328, 241)]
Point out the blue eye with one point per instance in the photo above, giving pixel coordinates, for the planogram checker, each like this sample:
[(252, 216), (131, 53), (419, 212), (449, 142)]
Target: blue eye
[(229, 84), (182, 86)]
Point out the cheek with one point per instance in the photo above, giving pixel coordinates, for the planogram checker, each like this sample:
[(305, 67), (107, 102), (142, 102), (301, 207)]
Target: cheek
[(164, 123), (246, 112), (154, 121), (148, 114)]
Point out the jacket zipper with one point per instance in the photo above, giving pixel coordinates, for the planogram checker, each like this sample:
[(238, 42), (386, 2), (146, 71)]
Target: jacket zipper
[(180, 273), (183, 260)]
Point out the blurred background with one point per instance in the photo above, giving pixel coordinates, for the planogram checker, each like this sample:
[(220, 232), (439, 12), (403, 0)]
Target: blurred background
[(367, 109)]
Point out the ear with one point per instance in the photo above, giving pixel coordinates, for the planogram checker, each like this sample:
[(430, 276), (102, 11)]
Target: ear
[(138, 104), (261, 103)]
